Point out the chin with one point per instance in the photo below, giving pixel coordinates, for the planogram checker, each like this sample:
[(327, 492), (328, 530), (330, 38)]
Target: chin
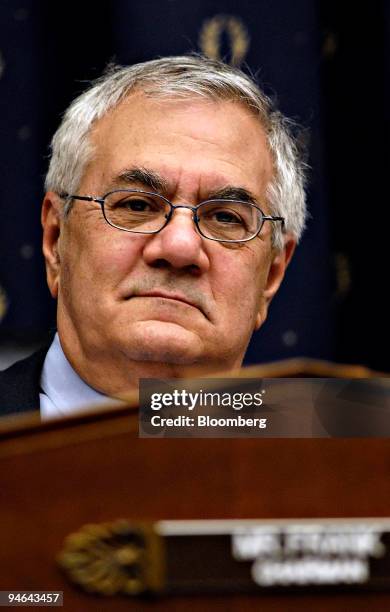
[(168, 343)]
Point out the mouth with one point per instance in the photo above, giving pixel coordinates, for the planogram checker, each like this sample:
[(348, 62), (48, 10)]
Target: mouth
[(175, 297)]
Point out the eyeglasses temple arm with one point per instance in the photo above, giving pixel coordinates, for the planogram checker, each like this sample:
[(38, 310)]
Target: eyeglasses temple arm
[(68, 196), (272, 218)]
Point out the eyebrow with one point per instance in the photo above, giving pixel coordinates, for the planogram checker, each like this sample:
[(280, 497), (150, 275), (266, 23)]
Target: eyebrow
[(152, 180), (147, 178), (230, 192)]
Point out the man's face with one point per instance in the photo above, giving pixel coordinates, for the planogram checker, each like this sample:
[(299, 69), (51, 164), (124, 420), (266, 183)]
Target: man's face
[(128, 301)]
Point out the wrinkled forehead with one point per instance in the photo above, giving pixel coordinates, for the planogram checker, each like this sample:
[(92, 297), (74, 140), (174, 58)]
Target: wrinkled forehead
[(218, 141)]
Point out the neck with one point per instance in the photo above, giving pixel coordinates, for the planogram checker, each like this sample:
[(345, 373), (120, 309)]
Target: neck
[(112, 373)]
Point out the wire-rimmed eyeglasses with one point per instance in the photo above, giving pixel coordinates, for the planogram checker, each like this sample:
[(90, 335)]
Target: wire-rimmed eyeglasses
[(144, 212)]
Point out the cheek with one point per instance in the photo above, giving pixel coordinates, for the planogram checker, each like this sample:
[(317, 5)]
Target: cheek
[(101, 257), (240, 282)]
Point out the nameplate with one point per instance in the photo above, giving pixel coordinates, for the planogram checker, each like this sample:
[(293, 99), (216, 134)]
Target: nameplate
[(261, 556), (231, 556)]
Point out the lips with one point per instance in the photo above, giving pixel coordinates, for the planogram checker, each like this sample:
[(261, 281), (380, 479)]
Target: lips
[(178, 297)]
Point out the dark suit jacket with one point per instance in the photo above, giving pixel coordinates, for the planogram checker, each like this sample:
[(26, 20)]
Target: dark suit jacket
[(19, 384)]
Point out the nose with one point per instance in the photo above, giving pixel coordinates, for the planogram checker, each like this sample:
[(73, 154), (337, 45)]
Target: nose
[(178, 245)]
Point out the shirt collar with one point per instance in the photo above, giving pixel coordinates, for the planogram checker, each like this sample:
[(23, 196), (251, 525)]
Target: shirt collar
[(63, 392)]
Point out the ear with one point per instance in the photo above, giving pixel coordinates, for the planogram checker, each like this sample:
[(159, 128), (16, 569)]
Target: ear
[(277, 269), (51, 223)]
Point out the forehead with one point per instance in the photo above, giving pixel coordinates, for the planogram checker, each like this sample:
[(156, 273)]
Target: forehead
[(193, 143)]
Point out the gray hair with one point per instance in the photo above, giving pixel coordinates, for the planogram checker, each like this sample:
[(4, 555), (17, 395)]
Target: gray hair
[(183, 77)]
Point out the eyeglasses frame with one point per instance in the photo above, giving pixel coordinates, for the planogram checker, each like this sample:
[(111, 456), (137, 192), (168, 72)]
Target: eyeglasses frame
[(173, 207)]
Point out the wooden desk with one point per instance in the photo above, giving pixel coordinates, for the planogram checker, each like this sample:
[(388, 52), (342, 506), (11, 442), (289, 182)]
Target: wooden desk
[(56, 477)]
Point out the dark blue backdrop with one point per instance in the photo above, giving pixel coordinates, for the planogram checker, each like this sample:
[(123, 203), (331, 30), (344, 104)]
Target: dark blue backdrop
[(327, 67)]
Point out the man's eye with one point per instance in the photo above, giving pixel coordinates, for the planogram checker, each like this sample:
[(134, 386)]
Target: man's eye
[(137, 205), (226, 216)]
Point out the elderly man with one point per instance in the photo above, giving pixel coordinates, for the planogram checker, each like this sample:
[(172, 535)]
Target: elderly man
[(174, 202)]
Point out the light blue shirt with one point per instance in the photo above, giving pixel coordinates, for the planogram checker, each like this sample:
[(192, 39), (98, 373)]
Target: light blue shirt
[(63, 392)]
